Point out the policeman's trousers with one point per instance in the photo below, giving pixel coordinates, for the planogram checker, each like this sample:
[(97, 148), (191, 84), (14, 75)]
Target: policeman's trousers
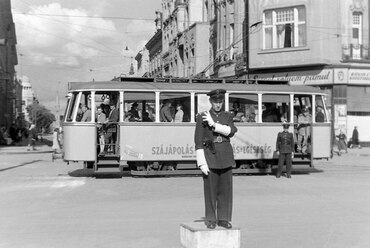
[(287, 158), (218, 194)]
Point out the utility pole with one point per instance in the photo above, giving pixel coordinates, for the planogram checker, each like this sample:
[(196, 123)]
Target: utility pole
[(58, 106)]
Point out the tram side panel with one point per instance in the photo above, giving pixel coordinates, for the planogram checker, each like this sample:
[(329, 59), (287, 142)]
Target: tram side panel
[(176, 143), (79, 142), (255, 142), (320, 138)]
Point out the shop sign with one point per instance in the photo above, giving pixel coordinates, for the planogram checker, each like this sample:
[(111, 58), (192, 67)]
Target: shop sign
[(358, 76), (313, 77)]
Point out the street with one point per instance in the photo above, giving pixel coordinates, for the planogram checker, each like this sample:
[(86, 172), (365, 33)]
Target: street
[(43, 206)]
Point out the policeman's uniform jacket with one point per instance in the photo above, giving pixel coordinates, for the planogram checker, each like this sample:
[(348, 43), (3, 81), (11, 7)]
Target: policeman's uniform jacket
[(285, 142), (217, 148)]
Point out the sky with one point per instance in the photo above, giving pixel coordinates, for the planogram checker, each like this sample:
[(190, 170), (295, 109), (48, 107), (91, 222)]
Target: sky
[(61, 41)]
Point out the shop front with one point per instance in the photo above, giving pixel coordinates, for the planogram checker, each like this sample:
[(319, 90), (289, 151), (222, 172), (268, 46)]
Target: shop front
[(348, 92)]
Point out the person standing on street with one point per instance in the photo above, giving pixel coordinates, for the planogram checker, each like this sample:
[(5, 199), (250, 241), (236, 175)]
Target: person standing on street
[(285, 148), (215, 158), (355, 138)]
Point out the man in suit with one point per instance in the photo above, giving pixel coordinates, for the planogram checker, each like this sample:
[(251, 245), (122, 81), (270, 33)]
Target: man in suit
[(215, 158), (285, 148)]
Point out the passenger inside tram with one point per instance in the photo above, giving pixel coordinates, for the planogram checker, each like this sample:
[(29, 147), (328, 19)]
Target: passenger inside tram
[(179, 116), (100, 120), (167, 112), (146, 117), (271, 113), (135, 115), (86, 114), (111, 133), (304, 130), (320, 117)]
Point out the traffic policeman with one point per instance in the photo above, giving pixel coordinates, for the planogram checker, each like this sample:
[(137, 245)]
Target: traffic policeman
[(285, 148), (215, 158)]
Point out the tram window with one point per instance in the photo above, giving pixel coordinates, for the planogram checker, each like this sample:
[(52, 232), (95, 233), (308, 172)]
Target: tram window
[(302, 102), (71, 106), (275, 108), (302, 108), (244, 107), (139, 106), (84, 107), (103, 99), (320, 113), (175, 107)]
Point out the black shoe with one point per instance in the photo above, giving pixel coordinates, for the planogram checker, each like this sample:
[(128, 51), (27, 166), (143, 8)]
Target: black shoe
[(289, 176), (277, 176), (211, 225), (225, 224)]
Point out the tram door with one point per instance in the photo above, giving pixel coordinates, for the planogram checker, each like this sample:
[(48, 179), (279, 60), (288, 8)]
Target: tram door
[(79, 131)]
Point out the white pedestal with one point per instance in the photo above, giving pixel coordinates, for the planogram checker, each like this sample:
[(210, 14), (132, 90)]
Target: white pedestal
[(197, 235)]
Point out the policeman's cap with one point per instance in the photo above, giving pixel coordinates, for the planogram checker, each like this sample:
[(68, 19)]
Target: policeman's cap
[(286, 125), (218, 94)]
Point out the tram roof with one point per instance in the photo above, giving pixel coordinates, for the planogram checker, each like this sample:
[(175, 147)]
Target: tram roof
[(145, 84)]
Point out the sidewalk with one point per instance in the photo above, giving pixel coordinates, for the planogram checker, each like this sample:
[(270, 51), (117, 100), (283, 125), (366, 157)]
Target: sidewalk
[(21, 148), (363, 151)]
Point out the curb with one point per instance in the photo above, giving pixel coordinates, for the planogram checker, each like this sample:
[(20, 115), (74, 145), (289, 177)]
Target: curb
[(23, 150)]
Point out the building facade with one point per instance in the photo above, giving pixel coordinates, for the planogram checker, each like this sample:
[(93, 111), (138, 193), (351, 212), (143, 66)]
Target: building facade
[(142, 61), (28, 96), (10, 88), (319, 43), (185, 38), (227, 37), (154, 47)]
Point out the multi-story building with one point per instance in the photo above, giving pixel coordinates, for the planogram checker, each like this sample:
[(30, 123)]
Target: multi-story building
[(142, 61), (227, 37), (154, 47), (28, 96), (9, 86), (318, 43), (185, 35)]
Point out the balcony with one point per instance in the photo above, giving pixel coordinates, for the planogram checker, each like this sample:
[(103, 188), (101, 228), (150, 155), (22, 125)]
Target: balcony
[(355, 52)]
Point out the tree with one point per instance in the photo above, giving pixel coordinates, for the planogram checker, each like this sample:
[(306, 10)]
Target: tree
[(40, 115)]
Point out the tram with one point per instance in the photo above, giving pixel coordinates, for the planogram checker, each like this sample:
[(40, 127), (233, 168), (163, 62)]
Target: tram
[(144, 143)]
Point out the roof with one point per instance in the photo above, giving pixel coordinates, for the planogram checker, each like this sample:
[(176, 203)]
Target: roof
[(145, 84)]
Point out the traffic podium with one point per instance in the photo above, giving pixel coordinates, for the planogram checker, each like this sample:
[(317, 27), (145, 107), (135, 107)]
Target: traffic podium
[(197, 235)]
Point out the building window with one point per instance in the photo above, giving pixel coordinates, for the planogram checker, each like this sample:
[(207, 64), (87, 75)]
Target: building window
[(284, 28), (356, 28)]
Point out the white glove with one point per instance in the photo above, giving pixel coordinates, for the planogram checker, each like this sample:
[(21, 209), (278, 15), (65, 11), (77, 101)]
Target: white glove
[(222, 129), (204, 168), (201, 161), (208, 118)]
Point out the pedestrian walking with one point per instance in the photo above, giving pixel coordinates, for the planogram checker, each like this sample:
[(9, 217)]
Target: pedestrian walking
[(32, 138), (285, 148), (342, 142), (355, 138), (215, 158)]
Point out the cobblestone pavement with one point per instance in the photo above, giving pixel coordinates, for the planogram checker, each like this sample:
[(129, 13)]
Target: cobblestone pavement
[(43, 206)]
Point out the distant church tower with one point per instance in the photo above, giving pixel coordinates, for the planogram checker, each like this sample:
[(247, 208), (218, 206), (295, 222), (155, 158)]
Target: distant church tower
[(132, 72)]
